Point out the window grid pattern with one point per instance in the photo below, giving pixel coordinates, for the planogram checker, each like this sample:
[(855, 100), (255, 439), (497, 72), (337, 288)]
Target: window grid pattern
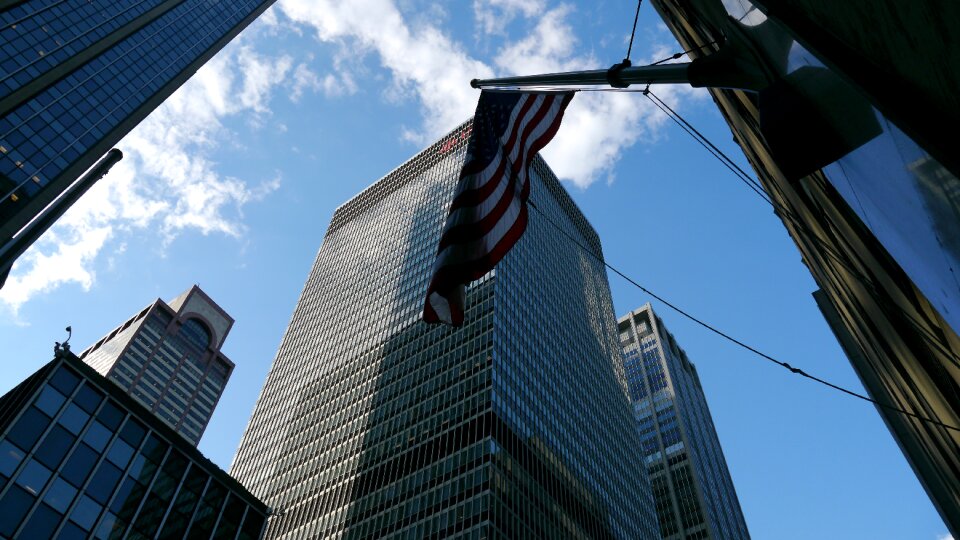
[(692, 487), (45, 135), (373, 424), (76, 464), (165, 369), (36, 36)]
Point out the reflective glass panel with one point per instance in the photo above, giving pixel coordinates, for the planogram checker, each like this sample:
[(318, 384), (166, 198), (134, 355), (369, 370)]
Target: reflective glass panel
[(128, 498), (54, 447), (252, 525), (33, 477), (28, 428), (88, 398), (150, 515), (65, 380), (154, 449), (111, 415), (10, 458), (71, 532), (230, 520), (86, 512), (110, 527), (60, 495), (74, 418), (97, 436), (180, 514), (13, 507), (50, 401), (133, 432), (79, 465), (143, 469), (42, 523), (104, 482), (120, 453)]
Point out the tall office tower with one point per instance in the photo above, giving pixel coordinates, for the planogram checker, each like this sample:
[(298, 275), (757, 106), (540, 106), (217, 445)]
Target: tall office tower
[(691, 483), (77, 75), (168, 358), (866, 185), (374, 424)]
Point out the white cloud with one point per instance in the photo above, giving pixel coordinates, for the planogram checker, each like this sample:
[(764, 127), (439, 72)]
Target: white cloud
[(423, 60), (429, 66), (166, 182), (169, 182), (334, 86), (75, 249), (304, 80), (493, 16), (598, 126), (945, 537), (261, 75)]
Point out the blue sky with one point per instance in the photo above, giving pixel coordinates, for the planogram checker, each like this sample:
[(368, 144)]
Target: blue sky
[(232, 182)]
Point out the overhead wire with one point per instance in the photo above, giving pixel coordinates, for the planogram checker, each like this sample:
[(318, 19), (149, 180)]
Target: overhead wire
[(633, 32), (724, 335), (787, 215), (783, 212), (705, 142), (757, 188)]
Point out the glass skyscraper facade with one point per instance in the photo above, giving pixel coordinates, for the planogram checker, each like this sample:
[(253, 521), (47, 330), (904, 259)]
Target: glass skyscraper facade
[(80, 459), (168, 358), (876, 217), (77, 75), (373, 424), (691, 484)]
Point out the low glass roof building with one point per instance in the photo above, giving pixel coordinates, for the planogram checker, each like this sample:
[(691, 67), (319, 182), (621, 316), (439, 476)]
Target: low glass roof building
[(79, 458)]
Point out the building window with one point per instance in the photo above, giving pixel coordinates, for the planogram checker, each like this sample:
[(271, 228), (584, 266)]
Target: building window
[(196, 334)]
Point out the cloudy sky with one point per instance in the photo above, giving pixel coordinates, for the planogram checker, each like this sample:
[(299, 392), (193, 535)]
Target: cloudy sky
[(231, 183)]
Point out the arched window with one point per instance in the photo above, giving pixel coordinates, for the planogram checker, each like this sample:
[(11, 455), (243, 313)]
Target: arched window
[(196, 333)]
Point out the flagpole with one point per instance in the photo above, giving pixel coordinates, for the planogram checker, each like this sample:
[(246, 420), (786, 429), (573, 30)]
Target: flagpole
[(662, 74), (730, 67)]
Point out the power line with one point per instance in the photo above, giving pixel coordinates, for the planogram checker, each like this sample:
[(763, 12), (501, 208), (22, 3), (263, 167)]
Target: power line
[(679, 55), (787, 215), (633, 32), (784, 213), (705, 142), (726, 336)]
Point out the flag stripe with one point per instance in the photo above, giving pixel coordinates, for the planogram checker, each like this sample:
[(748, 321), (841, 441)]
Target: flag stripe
[(517, 115), (506, 148), (487, 177), (468, 223), (489, 214), (471, 269), (478, 246)]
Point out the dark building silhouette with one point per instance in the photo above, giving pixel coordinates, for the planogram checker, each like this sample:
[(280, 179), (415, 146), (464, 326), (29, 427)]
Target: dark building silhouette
[(81, 459), (848, 141), (374, 424), (78, 75)]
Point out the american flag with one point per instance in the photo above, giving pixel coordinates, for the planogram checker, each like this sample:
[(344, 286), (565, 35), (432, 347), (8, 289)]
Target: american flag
[(489, 211)]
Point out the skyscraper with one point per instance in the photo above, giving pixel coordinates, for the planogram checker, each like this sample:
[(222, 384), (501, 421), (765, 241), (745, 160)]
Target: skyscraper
[(848, 146), (373, 424), (77, 75), (168, 358), (691, 484)]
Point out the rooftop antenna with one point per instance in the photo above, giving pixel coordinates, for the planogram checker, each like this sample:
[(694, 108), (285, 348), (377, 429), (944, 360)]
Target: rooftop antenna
[(59, 349)]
